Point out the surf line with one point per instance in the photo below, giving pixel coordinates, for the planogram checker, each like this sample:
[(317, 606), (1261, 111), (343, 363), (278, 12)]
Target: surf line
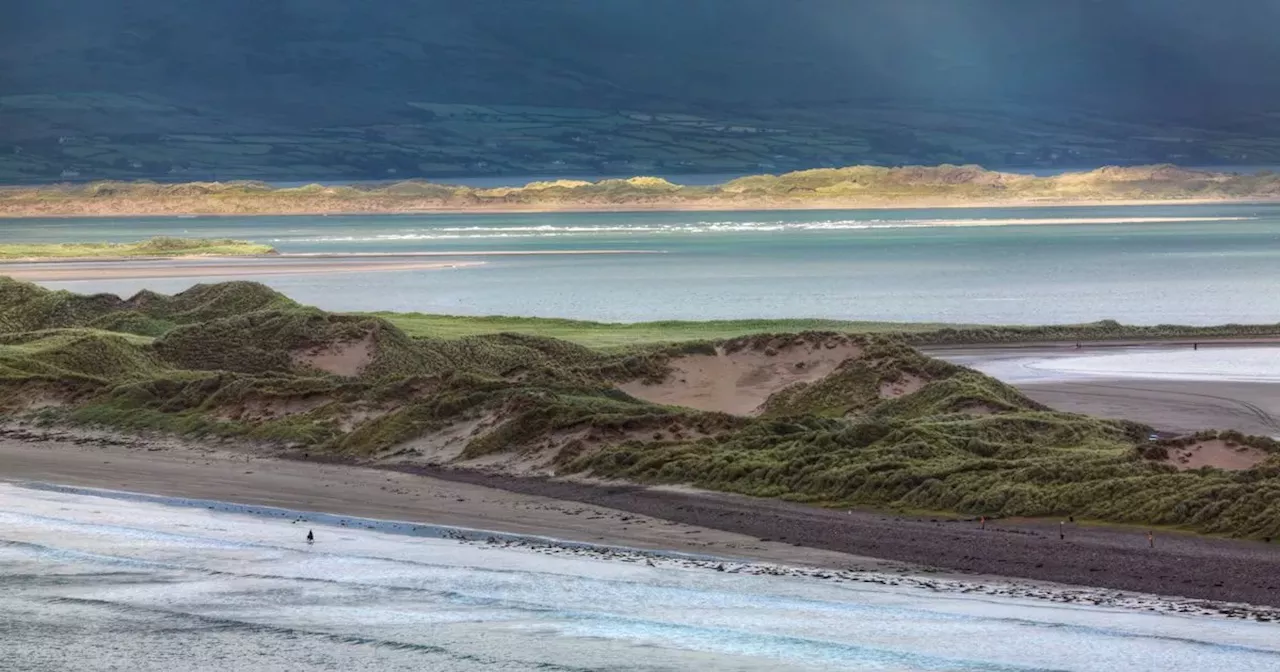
[(426, 530)]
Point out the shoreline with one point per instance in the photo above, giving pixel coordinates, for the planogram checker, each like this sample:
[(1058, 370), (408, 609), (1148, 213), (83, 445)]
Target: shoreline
[(51, 272), (314, 255), (1187, 567), (911, 578), (917, 204), (83, 269)]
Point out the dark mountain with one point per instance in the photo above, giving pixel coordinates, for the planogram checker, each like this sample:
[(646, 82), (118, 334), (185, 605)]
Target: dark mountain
[(295, 89)]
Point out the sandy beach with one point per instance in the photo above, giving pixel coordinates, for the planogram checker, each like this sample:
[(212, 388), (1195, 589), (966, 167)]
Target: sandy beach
[(1185, 566), (106, 579), (1174, 386)]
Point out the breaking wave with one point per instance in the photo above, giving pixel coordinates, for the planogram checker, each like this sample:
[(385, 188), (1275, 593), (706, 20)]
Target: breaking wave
[(715, 227)]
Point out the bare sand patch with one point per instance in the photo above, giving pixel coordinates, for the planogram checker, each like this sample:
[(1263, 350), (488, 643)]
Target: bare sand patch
[(542, 458), (271, 408), (739, 382), (907, 383), (36, 396), (341, 359), (445, 445), (350, 418), (1216, 453)]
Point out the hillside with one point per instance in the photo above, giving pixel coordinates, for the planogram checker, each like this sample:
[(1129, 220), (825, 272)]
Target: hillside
[(821, 417), (851, 187), (309, 89)]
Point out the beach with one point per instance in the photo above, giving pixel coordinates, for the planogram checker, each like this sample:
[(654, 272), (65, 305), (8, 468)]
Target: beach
[(1189, 567), (109, 579), (1177, 387)]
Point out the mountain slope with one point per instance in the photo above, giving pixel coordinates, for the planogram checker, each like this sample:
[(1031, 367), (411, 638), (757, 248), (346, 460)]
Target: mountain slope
[(320, 89)]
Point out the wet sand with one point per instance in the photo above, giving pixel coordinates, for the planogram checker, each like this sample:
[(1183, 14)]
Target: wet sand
[(72, 271), (1170, 405), (134, 268), (177, 469), (662, 518)]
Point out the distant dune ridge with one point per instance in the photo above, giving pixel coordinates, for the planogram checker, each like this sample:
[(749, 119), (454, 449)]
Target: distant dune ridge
[(822, 417), (855, 186)]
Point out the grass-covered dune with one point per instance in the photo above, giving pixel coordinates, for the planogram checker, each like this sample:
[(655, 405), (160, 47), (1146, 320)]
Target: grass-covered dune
[(159, 246), (825, 417), (855, 186)]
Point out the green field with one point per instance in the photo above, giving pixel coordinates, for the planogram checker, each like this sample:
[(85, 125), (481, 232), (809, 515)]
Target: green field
[(621, 335), (160, 246), (614, 335), (880, 426)]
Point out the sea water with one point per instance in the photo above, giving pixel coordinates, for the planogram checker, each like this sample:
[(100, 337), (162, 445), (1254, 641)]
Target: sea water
[(1191, 264), (92, 582)]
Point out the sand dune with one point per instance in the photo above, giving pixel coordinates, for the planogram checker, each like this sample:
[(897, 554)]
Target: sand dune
[(1218, 454), (740, 382)]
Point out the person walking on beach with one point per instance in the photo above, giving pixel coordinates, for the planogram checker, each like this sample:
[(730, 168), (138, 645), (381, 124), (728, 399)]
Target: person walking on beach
[(311, 537)]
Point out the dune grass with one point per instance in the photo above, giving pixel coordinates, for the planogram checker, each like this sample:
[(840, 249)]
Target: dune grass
[(238, 360), (159, 246)]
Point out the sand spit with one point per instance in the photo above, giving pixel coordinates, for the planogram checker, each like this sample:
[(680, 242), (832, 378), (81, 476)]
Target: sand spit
[(739, 382), (195, 208), (71, 271)]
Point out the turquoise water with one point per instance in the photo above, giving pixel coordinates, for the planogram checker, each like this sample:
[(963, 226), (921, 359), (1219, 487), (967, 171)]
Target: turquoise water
[(1186, 264)]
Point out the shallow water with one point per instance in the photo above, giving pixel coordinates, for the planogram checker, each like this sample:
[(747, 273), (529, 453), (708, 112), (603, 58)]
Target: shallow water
[(97, 583), (1190, 264)]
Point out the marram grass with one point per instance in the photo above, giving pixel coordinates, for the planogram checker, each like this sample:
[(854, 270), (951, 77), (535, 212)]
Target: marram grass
[(240, 360)]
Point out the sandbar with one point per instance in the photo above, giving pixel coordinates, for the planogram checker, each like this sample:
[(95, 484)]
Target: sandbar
[(50, 271)]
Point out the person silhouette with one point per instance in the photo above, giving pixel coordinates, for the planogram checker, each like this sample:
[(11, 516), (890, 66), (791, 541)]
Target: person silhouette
[(311, 537)]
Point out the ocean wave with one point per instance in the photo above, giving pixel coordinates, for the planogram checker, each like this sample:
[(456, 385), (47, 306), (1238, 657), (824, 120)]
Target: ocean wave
[(727, 226)]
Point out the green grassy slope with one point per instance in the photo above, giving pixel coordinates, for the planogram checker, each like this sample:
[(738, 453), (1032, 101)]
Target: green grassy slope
[(886, 427)]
